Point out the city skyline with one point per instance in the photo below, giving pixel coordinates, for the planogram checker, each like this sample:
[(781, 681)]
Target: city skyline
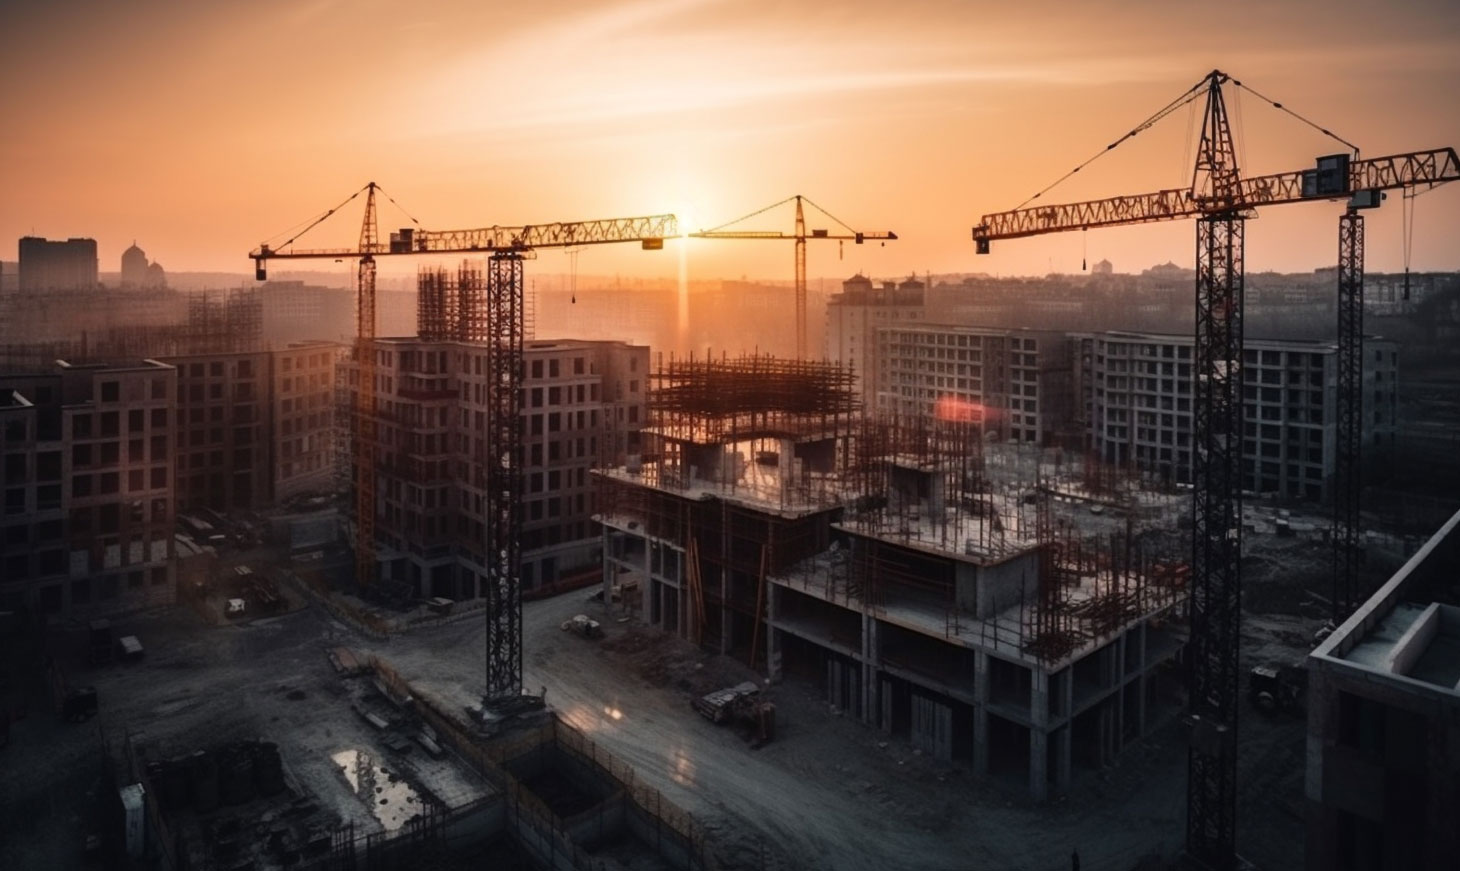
[(202, 130)]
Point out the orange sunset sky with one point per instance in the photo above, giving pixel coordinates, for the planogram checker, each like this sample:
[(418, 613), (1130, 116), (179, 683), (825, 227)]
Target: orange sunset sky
[(202, 128)]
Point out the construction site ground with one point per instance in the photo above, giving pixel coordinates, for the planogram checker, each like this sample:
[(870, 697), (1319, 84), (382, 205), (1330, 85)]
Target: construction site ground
[(829, 792), (832, 793)]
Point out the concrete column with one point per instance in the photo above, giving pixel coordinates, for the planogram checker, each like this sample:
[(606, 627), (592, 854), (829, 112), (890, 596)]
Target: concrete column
[(608, 568), (1069, 693), (788, 468), (980, 712), (1038, 734), (1039, 697), (726, 624), (1109, 737), (871, 662), (1038, 765), (1120, 716), (1140, 683), (1062, 758)]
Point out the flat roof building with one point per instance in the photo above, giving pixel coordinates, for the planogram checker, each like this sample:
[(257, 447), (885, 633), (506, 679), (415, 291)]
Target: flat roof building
[(1017, 381), (87, 477), (583, 405), (1133, 400), (852, 319), (1383, 778), (58, 265)]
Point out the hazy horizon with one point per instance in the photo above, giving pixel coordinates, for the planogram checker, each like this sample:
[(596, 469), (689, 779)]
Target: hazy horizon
[(200, 130)]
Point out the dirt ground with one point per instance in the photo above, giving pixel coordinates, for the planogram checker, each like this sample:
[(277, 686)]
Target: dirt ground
[(828, 793), (198, 686)]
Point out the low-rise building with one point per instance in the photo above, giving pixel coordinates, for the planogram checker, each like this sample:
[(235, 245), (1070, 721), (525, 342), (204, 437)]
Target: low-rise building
[(1383, 775)]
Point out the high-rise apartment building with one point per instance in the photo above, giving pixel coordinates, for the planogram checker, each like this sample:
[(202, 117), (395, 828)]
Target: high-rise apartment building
[(1134, 401), (254, 427), (853, 317), (302, 409), (583, 405), (221, 456), (1016, 382), (59, 265), (87, 523)]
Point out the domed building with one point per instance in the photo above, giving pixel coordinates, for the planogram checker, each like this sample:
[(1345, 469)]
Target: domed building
[(137, 272)]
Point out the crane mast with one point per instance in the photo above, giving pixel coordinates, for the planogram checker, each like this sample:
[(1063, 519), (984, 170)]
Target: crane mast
[(1216, 591), (364, 417), (1220, 200), (505, 249)]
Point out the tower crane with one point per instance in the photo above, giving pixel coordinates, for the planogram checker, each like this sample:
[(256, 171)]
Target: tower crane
[(1221, 200), (505, 249), (799, 236)]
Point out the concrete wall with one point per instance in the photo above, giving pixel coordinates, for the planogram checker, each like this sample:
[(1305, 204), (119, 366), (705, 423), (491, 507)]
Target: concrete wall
[(1383, 770), (1001, 585)]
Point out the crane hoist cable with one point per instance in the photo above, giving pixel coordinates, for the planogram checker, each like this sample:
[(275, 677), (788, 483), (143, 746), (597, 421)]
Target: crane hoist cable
[(1280, 107), (311, 224), (807, 200), (1189, 95)]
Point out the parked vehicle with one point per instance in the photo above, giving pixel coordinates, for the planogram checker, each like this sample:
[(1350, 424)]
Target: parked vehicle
[(1277, 688), (742, 706), (583, 625)]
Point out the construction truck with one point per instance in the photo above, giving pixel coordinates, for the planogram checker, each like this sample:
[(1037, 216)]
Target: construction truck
[(1277, 688), (741, 706)]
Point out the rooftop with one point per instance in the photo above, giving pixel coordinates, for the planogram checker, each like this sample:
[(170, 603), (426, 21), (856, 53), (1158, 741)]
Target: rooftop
[(1402, 634)]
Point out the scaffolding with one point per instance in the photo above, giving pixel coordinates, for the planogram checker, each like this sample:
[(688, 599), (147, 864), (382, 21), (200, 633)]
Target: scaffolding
[(727, 399), (758, 467), (224, 321), (436, 304)]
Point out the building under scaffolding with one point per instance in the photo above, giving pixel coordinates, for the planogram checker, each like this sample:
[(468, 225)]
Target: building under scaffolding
[(993, 621), (158, 323)]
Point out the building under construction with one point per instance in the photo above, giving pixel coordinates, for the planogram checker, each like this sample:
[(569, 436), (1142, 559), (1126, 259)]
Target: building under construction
[(994, 610)]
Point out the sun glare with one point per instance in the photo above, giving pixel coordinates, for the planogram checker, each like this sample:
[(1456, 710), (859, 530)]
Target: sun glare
[(687, 222)]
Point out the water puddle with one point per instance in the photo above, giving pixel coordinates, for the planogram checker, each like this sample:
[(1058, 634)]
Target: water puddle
[(389, 797)]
